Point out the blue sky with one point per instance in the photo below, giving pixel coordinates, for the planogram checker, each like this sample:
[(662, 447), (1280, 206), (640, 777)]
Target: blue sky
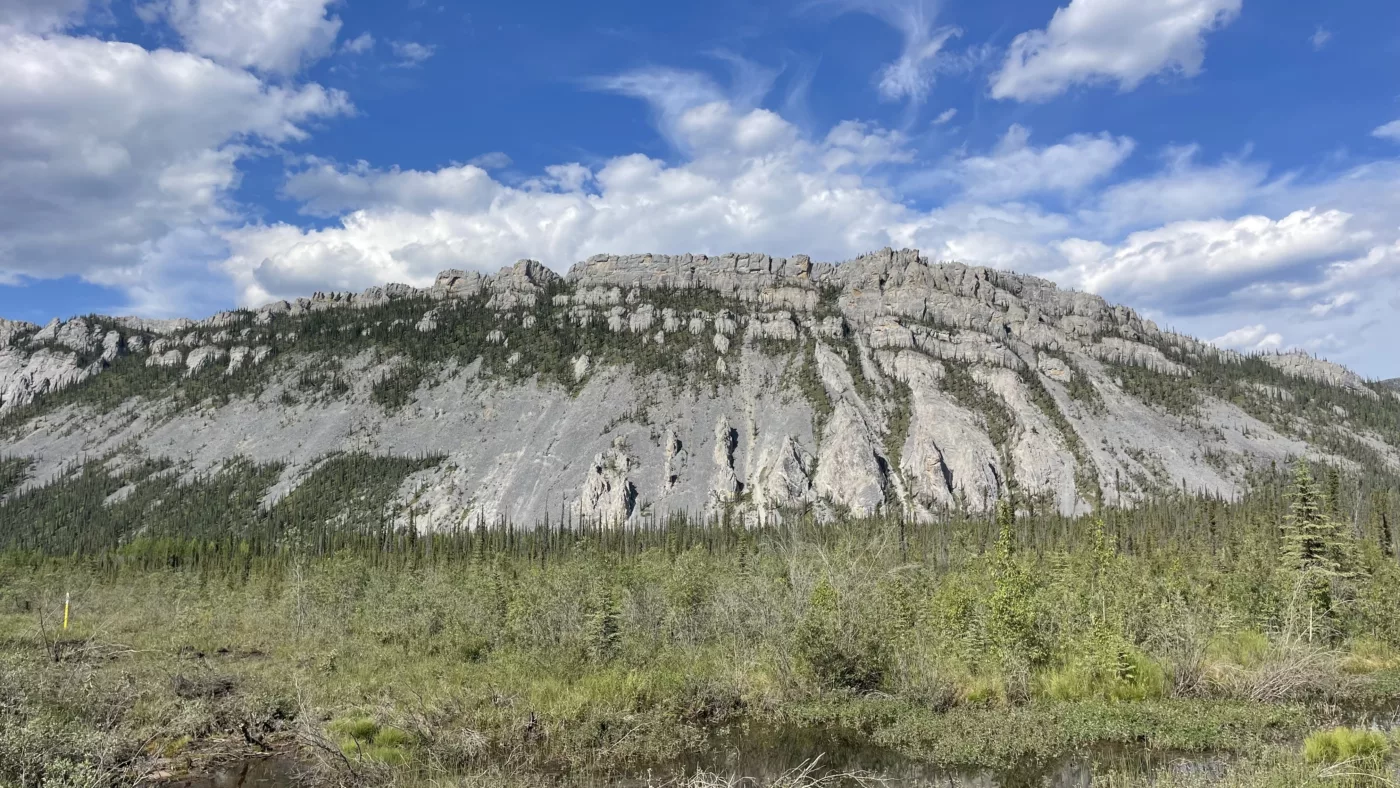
[(1230, 168)]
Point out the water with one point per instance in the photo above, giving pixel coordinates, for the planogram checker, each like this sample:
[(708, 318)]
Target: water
[(275, 771), (765, 753)]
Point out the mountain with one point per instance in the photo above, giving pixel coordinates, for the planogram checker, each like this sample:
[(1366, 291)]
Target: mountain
[(1393, 383), (643, 386)]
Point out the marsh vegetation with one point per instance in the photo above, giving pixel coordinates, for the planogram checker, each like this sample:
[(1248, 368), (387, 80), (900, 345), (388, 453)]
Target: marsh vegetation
[(1262, 632)]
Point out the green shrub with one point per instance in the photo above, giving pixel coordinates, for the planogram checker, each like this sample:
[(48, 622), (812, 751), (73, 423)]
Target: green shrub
[(836, 651), (1125, 674), (1343, 744)]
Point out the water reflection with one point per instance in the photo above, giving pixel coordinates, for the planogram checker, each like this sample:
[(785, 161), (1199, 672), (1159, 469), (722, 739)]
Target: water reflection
[(269, 772)]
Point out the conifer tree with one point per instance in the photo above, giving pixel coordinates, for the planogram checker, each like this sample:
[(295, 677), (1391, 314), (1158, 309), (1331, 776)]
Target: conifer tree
[(1314, 548), (1011, 609)]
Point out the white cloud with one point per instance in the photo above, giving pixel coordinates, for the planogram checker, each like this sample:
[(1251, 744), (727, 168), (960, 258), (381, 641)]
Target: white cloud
[(272, 36), (325, 190), (1123, 41), (1335, 305), (691, 109), (1192, 264), (1320, 38), (1016, 168), (910, 76), (494, 160), (754, 183), (1390, 131), (40, 16), (113, 158), (1182, 189), (411, 53), (1285, 253), (945, 116), (358, 45), (1256, 338)]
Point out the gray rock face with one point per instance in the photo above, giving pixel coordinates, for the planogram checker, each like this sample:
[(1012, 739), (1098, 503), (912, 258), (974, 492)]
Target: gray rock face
[(24, 376), (871, 386), (724, 484), (608, 495), (1301, 365)]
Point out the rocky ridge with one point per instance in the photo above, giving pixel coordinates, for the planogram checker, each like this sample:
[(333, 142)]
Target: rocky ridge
[(638, 386)]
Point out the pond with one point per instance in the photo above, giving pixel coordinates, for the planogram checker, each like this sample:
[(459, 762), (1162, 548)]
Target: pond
[(764, 754), (275, 771)]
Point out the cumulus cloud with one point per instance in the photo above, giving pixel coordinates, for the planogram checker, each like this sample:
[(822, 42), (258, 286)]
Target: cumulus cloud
[(754, 183), (39, 16), (1310, 256), (1256, 338), (327, 190), (1319, 38), (114, 159), (1122, 41), (272, 36), (1191, 265)]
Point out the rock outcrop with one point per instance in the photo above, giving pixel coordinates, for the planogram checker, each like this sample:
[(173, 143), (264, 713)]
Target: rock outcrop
[(741, 385)]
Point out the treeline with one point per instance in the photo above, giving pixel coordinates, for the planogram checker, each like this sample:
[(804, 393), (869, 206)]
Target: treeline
[(147, 515)]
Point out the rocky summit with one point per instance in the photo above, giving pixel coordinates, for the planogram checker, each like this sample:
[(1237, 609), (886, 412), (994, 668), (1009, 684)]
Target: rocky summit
[(638, 387)]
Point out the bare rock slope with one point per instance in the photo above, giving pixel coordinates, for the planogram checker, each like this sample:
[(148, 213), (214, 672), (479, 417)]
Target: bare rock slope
[(642, 386)]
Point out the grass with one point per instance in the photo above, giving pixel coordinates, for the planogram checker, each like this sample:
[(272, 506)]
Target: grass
[(1346, 745)]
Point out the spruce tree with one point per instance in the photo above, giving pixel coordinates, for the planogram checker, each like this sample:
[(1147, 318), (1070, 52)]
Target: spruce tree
[(1313, 547)]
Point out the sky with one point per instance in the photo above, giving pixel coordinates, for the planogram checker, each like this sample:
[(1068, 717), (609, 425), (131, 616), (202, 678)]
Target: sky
[(1229, 168)]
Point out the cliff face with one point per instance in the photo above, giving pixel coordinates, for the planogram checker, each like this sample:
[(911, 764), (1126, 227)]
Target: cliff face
[(641, 386)]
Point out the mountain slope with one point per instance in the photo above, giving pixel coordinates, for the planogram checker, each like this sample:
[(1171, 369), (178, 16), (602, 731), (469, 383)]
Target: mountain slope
[(643, 386)]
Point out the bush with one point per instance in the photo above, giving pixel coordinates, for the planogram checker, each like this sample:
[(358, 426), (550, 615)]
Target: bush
[(1106, 667), (835, 650), (1342, 744)]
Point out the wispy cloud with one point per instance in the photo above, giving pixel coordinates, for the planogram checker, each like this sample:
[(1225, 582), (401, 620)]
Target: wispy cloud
[(358, 45), (911, 76), (411, 53), (1390, 131), (673, 92)]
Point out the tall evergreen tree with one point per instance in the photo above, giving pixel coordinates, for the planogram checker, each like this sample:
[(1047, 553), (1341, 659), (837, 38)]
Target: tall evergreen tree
[(1314, 548)]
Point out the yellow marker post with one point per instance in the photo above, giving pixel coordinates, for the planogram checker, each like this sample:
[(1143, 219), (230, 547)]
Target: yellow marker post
[(66, 599)]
